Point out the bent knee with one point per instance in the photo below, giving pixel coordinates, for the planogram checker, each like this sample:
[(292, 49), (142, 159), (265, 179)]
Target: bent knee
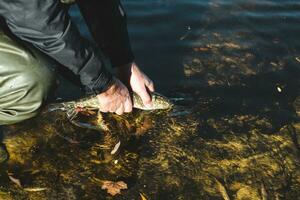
[(21, 97), (26, 79)]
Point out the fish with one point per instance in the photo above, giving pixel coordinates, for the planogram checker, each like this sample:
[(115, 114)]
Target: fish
[(91, 103), (159, 102)]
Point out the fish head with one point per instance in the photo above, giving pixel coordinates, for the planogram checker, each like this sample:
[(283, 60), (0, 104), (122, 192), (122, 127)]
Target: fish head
[(159, 102)]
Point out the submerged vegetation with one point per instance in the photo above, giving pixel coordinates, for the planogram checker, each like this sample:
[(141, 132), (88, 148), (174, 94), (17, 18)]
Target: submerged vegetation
[(212, 145)]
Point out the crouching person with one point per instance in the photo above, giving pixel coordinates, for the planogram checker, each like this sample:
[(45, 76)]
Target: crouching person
[(45, 30), (26, 79)]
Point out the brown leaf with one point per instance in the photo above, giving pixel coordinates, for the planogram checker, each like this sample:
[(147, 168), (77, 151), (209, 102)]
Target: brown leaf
[(113, 188)]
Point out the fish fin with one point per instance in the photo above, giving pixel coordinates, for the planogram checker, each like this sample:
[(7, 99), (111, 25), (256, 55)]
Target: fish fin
[(72, 113), (54, 106), (100, 122)]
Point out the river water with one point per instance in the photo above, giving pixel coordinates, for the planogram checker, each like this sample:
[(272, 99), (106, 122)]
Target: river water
[(231, 68)]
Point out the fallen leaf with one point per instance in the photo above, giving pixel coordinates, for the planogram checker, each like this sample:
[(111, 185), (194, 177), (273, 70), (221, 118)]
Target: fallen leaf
[(113, 188), (115, 149), (15, 181)]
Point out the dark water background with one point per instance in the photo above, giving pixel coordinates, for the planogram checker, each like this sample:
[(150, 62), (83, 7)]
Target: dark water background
[(164, 32), (233, 69)]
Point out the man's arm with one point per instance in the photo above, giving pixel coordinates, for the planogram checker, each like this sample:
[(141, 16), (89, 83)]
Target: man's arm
[(46, 25), (106, 20)]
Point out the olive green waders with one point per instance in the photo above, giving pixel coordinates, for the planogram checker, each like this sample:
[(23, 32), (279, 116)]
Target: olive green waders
[(26, 79)]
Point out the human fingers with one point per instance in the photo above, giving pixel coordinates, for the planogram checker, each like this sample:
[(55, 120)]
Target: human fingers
[(150, 85), (102, 106), (145, 96), (102, 109), (120, 110), (113, 107), (128, 105)]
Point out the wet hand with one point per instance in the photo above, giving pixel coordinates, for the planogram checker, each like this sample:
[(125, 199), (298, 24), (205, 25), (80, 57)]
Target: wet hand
[(139, 82), (115, 99)]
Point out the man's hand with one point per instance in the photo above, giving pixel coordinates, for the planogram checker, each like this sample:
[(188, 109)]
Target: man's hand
[(137, 81), (115, 99)]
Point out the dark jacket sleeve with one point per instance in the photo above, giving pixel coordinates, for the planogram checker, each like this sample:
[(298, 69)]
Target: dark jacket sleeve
[(106, 20), (46, 25)]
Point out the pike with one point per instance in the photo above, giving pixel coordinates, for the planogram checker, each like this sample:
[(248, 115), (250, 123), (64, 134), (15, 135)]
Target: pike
[(91, 103)]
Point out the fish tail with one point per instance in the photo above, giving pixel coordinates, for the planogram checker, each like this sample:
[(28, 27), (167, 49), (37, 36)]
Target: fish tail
[(54, 106)]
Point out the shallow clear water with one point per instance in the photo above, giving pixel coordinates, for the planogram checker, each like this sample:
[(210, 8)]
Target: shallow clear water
[(232, 68)]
